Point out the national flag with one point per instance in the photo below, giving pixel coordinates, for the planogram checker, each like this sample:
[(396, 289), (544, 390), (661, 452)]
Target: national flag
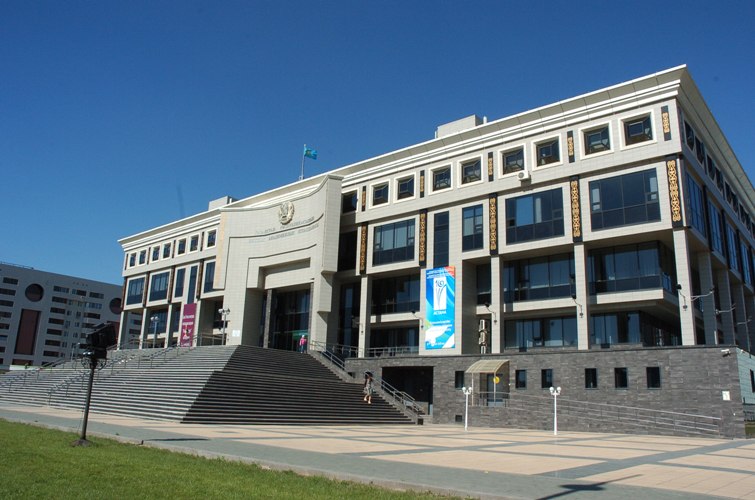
[(310, 153)]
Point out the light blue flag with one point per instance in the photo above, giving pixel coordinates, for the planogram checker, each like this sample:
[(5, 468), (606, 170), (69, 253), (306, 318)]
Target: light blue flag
[(310, 153)]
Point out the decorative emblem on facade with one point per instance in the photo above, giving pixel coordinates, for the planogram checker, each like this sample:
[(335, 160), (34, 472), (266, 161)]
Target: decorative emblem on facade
[(422, 237), (286, 212), (363, 249), (493, 224), (570, 145), (576, 217), (490, 166), (666, 123), (673, 191)]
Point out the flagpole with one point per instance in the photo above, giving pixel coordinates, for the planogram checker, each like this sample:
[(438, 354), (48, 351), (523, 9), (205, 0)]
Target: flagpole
[(303, 155)]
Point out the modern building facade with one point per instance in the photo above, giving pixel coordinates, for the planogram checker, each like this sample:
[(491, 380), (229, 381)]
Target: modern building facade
[(604, 241), (44, 316)]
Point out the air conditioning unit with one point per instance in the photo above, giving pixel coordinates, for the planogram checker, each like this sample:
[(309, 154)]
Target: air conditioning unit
[(483, 325), (524, 175)]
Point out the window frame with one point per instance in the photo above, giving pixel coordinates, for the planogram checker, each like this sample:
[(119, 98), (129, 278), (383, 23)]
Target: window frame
[(467, 162), (380, 186), (548, 141), (212, 238), (475, 234), (656, 381), (584, 132), (350, 195), (398, 194), (504, 152), (591, 376), (520, 384), (545, 375), (621, 378), (650, 115), (433, 173), (559, 208)]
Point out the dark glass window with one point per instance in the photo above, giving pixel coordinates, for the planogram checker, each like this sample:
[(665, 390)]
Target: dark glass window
[(441, 178), (654, 377), (618, 328), (546, 378), (395, 294), (179, 288), (347, 251), (166, 250), (483, 284), (700, 150), (746, 263), (716, 231), (541, 332), (513, 161), (406, 188), (440, 240), (548, 152), (535, 216), (631, 267), (142, 257), (696, 209), (349, 202), (732, 247), (689, 135), (624, 200), (538, 278), (591, 378), (209, 277), (155, 253), (621, 378), (459, 379), (194, 244), (211, 237), (158, 289), (521, 379), (181, 247), (638, 130), (192, 284), (393, 243), (470, 171), (380, 194), (132, 260), (472, 237), (135, 291), (597, 140)]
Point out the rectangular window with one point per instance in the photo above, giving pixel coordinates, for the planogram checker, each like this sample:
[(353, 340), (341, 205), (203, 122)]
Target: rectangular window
[(349, 202), (744, 252), (541, 332), (689, 136), (395, 294), (380, 194), (458, 379), (209, 277), (513, 161), (546, 378), (591, 378), (181, 247), (539, 278), (597, 140), (211, 236), (135, 291), (631, 267), (192, 284), (440, 240), (472, 237), (637, 130), (470, 171), (483, 283), (194, 244), (695, 207), (752, 381), (158, 289), (10, 281), (166, 250), (178, 290), (624, 200), (716, 231), (521, 379), (620, 378), (347, 251), (700, 150), (155, 253), (548, 152), (393, 243), (405, 187), (732, 247), (142, 257), (654, 377), (535, 216), (441, 178)]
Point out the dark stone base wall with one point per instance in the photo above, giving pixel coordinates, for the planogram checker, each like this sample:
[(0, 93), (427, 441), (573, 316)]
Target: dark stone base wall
[(693, 381)]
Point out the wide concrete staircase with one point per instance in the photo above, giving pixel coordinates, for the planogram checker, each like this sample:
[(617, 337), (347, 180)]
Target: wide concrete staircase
[(214, 384)]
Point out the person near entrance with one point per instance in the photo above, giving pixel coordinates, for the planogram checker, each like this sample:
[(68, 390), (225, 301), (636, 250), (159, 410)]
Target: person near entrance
[(303, 343), (483, 341), (368, 388)]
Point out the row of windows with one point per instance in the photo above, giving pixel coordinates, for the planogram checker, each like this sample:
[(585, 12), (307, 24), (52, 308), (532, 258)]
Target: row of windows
[(158, 289), (620, 378), (181, 247), (547, 152)]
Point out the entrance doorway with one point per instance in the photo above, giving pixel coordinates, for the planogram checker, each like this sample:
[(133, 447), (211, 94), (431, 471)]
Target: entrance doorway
[(290, 319)]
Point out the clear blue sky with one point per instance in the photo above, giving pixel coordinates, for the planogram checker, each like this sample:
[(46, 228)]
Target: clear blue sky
[(119, 116)]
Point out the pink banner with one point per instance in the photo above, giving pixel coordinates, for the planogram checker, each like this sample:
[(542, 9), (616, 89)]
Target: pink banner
[(187, 325)]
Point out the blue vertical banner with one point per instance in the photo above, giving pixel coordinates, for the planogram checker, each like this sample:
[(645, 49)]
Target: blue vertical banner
[(440, 297)]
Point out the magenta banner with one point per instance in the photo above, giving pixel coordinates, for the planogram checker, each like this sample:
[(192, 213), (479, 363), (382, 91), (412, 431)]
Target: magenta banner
[(187, 325)]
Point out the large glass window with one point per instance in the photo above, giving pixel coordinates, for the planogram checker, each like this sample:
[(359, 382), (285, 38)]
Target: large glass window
[(538, 278), (535, 216), (637, 130), (472, 237), (395, 294), (440, 240), (624, 200), (716, 231), (632, 327), (732, 246), (483, 284), (135, 291), (441, 178), (744, 251), (513, 161), (470, 171), (541, 332), (209, 277), (347, 251), (179, 288), (597, 140), (548, 152), (158, 289), (631, 267), (393, 243), (695, 207)]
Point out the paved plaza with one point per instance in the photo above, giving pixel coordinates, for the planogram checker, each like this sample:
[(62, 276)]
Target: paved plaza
[(481, 462)]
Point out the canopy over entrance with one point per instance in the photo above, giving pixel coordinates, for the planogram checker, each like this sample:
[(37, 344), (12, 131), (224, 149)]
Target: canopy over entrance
[(487, 366)]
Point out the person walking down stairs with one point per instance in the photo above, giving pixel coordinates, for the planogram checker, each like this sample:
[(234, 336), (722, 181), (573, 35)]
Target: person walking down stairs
[(368, 388)]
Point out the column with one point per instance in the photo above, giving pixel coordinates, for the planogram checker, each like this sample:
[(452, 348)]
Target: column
[(683, 278), (496, 339), (708, 301), (740, 315), (268, 319), (725, 301), (582, 297), (145, 328), (365, 301)]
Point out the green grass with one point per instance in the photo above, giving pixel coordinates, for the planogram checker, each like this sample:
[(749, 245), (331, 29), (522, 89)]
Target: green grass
[(750, 429), (41, 463)]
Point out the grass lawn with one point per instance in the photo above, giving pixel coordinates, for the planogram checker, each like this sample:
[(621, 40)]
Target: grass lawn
[(41, 463)]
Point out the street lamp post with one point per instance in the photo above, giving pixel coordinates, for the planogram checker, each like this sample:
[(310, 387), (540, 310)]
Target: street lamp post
[(154, 319), (467, 391), (555, 392), (224, 312)]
